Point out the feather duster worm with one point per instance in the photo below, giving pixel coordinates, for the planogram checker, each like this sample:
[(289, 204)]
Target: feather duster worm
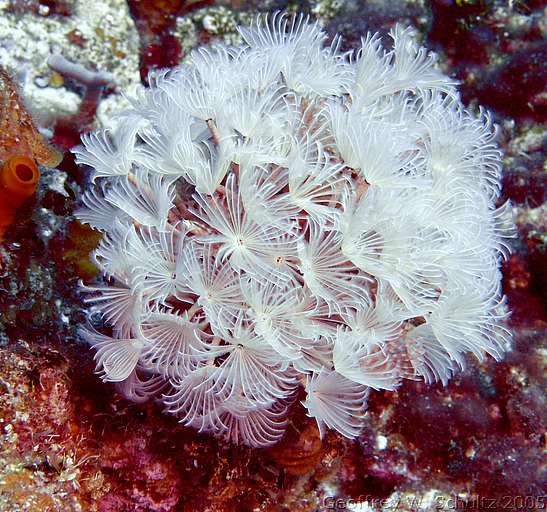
[(283, 215), (21, 148)]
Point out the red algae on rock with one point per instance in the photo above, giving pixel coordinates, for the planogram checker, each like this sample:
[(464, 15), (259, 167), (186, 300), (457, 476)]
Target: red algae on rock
[(155, 21), (68, 446)]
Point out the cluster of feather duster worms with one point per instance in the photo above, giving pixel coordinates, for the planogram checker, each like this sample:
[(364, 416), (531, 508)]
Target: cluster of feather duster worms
[(286, 220)]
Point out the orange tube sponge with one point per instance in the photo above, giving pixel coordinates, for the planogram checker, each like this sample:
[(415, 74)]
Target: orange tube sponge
[(21, 148), (18, 180)]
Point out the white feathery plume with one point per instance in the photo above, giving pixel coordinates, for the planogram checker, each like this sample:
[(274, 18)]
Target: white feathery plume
[(251, 369), (381, 152), (116, 358), (470, 322), (275, 310), (110, 255), (282, 34), (336, 402), (326, 271), (213, 281), (259, 427), (363, 359), (109, 154), (144, 196), (193, 401), (172, 342), (313, 188), (284, 214), (428, 357), (154, 254), (97, 212), (117, 304), (172, 144), (139, 389), (243, 242)]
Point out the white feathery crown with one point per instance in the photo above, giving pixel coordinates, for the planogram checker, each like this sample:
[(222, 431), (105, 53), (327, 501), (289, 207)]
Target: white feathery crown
[(283, 218)]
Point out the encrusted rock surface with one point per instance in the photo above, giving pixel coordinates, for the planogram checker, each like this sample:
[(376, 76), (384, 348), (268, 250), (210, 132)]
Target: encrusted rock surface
[(70, 443)]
